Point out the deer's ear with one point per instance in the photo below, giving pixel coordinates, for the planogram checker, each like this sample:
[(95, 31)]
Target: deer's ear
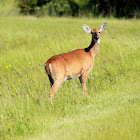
[(86, 28), (103, 27)]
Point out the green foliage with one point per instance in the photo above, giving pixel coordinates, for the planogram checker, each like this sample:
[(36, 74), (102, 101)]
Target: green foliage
[(81, 8), (111, 108), (54, 8), (28, 6), (123, 8)]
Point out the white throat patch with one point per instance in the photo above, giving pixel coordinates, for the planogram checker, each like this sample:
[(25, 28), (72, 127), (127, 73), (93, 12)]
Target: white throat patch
[(98, 42)]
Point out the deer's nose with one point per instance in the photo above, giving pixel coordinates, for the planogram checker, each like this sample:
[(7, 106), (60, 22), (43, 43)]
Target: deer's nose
[(96, 37)]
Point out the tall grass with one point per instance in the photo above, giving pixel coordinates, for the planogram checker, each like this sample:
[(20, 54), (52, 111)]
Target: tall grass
[(111, 109), (9, 7)]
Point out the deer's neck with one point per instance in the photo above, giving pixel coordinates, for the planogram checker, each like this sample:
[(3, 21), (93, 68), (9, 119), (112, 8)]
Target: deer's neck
[(93, 48)]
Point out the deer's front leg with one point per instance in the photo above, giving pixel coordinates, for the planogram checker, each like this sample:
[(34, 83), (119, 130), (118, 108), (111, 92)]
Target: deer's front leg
[(84, 80)]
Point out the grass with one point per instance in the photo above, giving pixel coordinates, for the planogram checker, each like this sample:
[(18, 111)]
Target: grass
[(111, 109), (9, 7)]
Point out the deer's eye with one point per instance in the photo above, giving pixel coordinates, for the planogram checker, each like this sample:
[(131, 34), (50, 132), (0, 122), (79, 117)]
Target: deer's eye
[(99, 32)]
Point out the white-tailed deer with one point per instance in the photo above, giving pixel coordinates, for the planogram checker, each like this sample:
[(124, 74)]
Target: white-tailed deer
[(77, 63)]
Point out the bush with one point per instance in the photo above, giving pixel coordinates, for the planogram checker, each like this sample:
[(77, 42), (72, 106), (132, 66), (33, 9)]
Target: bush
[(45, 7), (27, 6), (54, 8)]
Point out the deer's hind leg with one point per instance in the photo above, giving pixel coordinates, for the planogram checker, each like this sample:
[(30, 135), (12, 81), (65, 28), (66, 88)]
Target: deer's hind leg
[(54, 88), (58, 72), (51, 80)]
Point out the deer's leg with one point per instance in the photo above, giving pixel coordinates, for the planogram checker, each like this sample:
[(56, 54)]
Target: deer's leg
[(80, 78), (84, 80), (51, 80), (55, 86), (58, 76), (57, 71)]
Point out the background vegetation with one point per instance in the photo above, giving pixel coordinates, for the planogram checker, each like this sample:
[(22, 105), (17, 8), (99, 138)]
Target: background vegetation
[(94, 8), (88, 8)]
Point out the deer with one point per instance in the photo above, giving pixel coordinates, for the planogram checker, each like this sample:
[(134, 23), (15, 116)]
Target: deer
[(76, 63)]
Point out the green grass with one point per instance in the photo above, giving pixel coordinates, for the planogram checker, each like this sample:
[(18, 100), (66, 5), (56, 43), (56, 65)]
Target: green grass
[(9, 7), (111, 109)]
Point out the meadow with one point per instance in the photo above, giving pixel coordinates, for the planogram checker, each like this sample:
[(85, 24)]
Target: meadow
[(111, 109)]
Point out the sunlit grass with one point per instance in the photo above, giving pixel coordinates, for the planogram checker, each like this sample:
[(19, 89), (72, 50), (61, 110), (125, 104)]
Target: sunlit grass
[(9, 7), (111, 109)]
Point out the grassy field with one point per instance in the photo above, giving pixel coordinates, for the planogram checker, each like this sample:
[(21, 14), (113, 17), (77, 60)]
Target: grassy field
[(9, 7), (112, 108)]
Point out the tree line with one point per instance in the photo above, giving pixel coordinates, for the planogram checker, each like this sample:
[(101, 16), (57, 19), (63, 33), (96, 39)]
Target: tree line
[(95, 8)]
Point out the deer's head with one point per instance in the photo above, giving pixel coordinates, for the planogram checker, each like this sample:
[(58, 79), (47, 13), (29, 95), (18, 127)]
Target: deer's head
[(95, 32)]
